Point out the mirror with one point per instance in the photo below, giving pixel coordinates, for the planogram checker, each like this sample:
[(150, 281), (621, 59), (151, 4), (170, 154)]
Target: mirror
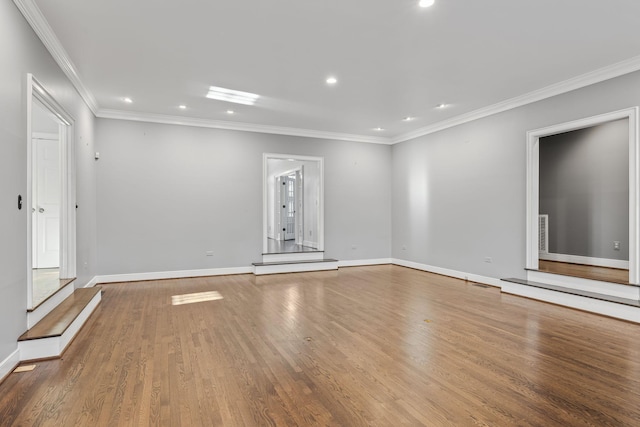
[(584, 202), (50, 201), (582, 211), (292, 203)]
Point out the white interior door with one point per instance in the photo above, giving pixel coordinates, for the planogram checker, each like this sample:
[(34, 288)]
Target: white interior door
[(289, 207), (299, 214), (46, 203)]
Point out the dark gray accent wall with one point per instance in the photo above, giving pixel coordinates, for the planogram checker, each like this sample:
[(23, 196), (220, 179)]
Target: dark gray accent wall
[(584, 188)]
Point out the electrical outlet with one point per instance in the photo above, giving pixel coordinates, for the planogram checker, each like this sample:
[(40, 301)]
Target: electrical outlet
[(354, 247), (488, 260), (209, 253), (616, 245)]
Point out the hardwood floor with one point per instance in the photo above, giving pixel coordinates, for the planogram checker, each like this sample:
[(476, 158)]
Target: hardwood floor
[(362, 346), (605, 274)]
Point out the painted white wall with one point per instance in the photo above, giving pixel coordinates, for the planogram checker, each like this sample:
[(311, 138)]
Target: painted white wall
[(22, 52), (458, 195), (168, 194)]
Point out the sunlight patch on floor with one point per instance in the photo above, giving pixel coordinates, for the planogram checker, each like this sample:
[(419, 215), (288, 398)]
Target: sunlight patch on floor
[(197, 297)]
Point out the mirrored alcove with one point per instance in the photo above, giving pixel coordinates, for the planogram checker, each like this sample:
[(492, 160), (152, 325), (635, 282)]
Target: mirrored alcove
[(293, 218), (50, 200), (582, 212)]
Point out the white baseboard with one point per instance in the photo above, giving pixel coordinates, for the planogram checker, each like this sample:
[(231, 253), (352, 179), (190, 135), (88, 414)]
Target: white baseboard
[(577, 259), (360, 262), (179, 274), (9, 364), (491, 281), (91, 283), (310, 244)]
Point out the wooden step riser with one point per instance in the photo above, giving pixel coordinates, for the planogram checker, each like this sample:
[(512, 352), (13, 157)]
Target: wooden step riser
[(46, 348), (618, 311), (607, 288), (294, 268)]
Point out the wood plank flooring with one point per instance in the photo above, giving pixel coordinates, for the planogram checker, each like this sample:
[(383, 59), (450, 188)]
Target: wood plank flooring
[(362, 346)]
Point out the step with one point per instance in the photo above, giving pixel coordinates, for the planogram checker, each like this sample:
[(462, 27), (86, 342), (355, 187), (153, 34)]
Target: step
[(619, 290), (260, 268), (608, 305), (293, 256), (37, 313), (51, 335)]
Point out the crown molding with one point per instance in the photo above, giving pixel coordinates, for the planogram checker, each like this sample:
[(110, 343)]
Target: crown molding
[(615, 70), (43, 30), (41, 27), (246, 127)]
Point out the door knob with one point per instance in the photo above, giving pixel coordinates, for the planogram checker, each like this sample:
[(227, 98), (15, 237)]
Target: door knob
[(41, 210)]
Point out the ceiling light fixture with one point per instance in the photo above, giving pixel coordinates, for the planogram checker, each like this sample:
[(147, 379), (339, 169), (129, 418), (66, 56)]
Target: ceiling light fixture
[(127, 100), (441, 106), (408, 119), (426, 3), (332, 80), (182, 107), (230, 95), (378, 129), (230, 112)]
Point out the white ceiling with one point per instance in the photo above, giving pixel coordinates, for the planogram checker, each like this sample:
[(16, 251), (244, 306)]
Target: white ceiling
[(392, 58)]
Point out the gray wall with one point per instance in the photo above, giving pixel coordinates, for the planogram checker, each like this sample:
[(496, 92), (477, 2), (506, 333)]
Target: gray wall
[(22, 52), (584, 188), (167, 194), (458, 195)]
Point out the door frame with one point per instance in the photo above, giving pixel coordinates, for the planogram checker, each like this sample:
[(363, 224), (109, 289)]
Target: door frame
[(533, 182), (36, 91), (265, 194)]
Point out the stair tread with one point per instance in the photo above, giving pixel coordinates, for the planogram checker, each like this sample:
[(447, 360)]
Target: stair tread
[(578, 292), (293, 252), (306, 261), (58, 320)]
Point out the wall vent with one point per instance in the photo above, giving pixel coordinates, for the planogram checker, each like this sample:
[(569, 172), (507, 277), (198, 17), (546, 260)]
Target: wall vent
[(543, 234)]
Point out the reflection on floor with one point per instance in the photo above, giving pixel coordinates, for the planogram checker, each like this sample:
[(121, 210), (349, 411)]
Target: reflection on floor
[(46, 281), (605, 274), (280, 246)]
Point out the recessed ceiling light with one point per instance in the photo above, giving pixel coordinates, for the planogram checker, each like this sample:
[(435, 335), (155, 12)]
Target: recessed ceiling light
[(182, 107), (378, 129), (441, 106), (230, 112), (408, 119), (127, 100), (332, 80), (230, 95), (426, 3)]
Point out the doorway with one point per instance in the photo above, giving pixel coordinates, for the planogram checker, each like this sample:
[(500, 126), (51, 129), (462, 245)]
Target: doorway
[(293, 219), (50, 198)]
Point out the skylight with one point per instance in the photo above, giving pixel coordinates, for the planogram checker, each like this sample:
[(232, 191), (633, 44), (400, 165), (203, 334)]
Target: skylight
[(230, 95)]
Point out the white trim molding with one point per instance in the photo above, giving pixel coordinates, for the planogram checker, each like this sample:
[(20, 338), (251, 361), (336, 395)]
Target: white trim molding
[(577, 259), (179, 274), (533, 190), (245, 127), (364, 262), (43, 30), (448, 272), (606, 73), (9, 364)]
